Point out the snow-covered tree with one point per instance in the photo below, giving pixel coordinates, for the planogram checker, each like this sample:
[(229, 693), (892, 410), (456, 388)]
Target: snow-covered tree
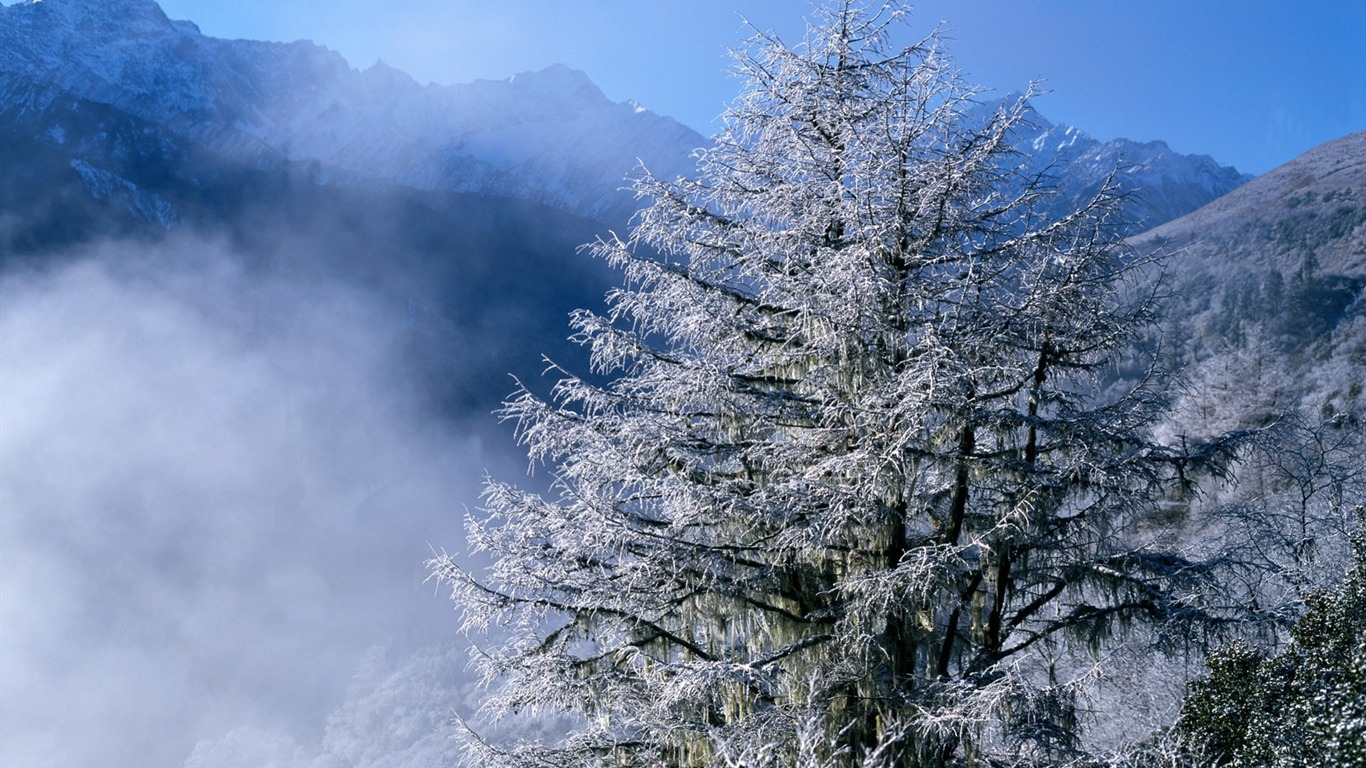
[(1286, 514), (849, 486), (1302, 706)]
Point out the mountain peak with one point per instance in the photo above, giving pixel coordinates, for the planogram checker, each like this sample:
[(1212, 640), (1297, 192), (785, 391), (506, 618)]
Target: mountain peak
[(550, 135), (103, 12), (1312, 203), (382, 72), (554, 73), (559, 82), (1168, 183)]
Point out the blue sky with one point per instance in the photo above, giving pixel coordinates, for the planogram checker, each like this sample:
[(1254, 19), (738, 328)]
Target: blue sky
[(1252, 83)]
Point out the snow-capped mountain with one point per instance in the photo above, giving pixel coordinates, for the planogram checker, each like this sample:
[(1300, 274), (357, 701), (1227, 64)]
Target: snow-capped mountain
[(1164, 184), (550, 136), (1311, 207), (222, 507), (118, 121)]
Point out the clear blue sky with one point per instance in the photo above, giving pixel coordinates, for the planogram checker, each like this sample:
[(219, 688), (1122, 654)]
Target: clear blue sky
[(1253, 83)]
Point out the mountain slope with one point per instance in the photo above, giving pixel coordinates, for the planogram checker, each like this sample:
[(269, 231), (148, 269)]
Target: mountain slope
[(549, 136), (1313, 205), (1273, 276), (1163, 184)]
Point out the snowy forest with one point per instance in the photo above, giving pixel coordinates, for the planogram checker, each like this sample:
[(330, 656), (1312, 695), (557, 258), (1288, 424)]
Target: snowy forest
[(895, 427)]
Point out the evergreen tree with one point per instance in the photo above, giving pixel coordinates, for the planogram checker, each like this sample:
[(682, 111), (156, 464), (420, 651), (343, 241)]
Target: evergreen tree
[(1304, 706), (849, 476)]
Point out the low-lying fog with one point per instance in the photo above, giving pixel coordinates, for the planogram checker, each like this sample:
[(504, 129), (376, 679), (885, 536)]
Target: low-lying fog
[(218, 486)]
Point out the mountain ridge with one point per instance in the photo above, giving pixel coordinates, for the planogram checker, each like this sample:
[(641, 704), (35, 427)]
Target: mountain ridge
[(1272, 277), (550, 136), (1332, 174), (1163, 184)]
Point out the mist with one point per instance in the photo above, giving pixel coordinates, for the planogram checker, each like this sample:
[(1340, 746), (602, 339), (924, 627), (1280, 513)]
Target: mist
[(218, 485)]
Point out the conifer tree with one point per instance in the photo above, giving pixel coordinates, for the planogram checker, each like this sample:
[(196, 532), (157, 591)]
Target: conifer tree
[(1302, 706), (849, 477)]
